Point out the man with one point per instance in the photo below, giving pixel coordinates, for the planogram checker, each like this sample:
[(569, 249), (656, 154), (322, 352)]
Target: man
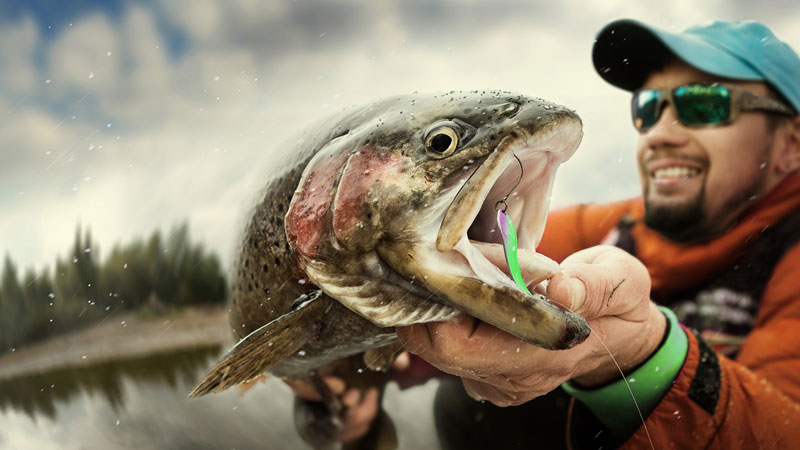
[(714, 238)]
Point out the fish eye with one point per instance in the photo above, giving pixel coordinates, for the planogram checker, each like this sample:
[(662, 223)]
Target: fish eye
[(442, 140)]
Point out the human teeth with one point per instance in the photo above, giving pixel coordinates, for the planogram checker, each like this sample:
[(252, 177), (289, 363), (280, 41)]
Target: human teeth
[(675, 172)]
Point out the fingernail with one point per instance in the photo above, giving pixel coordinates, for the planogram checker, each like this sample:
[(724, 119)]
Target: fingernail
[(576, 291)]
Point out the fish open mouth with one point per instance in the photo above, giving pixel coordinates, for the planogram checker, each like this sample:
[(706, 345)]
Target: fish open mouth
[(465, 267), (521, 168)]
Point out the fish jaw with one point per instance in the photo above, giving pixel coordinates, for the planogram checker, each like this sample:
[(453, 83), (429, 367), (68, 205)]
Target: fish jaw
[(471, 287)]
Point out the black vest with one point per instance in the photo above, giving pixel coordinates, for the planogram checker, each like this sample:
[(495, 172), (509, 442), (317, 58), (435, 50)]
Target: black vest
[(724, 308)]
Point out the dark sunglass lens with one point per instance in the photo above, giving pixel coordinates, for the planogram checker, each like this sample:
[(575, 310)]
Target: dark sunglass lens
[(644, 109), (702, 105)]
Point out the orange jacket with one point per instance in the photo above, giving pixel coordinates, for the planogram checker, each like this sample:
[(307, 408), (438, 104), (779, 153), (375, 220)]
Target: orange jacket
[(759, 395)]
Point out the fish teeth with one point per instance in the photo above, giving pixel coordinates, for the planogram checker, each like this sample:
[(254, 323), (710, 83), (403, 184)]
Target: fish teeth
[(675, 172)]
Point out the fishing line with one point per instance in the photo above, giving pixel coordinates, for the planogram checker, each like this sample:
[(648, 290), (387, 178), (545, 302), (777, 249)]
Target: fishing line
[(509, 237)]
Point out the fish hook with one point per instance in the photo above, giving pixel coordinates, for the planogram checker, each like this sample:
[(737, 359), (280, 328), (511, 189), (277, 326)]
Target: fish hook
[(503, 200)]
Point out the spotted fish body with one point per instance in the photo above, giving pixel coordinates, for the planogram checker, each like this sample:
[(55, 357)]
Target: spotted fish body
[(384, 216)]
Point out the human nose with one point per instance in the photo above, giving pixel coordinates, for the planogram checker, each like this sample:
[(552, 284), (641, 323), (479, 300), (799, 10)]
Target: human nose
[(667, 131)]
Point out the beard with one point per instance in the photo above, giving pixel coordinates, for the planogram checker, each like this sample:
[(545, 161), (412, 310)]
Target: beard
[(679, 223), (691, 221)]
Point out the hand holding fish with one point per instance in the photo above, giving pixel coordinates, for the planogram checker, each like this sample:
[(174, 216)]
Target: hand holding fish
[(605, 285), (361, 406)]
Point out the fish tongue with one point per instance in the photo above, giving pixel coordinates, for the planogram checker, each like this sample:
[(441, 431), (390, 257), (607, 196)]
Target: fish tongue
[(486, 258)]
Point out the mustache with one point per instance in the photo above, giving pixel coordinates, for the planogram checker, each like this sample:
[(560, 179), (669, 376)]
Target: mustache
[(670, 154), (667, 154)]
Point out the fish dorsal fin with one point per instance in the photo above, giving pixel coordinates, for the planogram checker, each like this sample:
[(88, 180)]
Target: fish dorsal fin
[(266, 346), (381, 302)]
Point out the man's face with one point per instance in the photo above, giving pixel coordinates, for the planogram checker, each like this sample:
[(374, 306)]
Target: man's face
[(696, 182)]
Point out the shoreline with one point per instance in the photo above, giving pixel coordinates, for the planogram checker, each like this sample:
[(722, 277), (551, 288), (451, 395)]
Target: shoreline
[(121, 336)]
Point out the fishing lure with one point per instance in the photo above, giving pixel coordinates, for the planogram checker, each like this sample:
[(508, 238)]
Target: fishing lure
[(509, 236)]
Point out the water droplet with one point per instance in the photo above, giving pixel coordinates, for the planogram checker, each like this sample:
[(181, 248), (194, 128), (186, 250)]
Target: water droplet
[(51, 295), (513, 320), (91, 75), (83, 357), (117, 422), (302, 353), (216, 78)]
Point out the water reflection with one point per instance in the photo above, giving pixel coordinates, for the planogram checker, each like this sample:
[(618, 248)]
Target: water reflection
[(141, 403), (38, 394)]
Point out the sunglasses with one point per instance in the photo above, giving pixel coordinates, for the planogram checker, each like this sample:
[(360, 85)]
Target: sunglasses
[(700, 105)]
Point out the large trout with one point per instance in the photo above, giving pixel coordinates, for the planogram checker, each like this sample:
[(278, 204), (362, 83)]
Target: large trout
[(385, 216)]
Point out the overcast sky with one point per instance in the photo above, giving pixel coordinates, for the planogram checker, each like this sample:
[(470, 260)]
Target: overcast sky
[(128, 116)]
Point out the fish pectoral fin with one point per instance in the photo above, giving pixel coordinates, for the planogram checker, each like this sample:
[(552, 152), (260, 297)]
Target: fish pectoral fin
[(381, 302), (266, 346)]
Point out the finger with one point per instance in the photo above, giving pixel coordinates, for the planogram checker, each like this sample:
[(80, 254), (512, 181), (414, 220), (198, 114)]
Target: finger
[(402, 362), (360, 417), (415, 338), (367, 409), (335, 384), (470, 348), (351, 398), (535, 267), (601, 281), (482, 391)]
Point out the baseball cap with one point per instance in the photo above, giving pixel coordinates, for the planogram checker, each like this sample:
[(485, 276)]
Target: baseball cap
[(627, 51)]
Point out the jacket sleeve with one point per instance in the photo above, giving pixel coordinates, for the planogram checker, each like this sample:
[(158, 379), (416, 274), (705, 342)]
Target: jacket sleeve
[(753, 402), (578, 227)]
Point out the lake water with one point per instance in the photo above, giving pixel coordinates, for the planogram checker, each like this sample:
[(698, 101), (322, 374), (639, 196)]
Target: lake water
[(141, 404)]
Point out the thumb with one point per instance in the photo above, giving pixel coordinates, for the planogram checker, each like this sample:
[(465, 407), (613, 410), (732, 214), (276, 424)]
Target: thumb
[(601, 281)]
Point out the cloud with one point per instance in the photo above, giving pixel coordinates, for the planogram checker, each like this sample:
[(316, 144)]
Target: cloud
[(145, 136), (18, 43)]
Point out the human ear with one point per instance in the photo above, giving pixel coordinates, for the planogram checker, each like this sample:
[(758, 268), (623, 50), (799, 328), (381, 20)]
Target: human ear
[(789, 153)]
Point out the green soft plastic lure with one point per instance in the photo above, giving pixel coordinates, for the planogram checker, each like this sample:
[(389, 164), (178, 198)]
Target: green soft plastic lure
[(509, 235)]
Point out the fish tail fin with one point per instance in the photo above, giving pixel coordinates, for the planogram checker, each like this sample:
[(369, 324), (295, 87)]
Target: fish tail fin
[(264, 347)]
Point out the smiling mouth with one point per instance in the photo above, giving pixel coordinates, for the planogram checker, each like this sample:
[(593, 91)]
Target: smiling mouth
[(674, 173)]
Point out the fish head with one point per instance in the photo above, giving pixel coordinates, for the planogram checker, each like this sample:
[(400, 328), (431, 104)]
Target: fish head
[(407, 193)]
